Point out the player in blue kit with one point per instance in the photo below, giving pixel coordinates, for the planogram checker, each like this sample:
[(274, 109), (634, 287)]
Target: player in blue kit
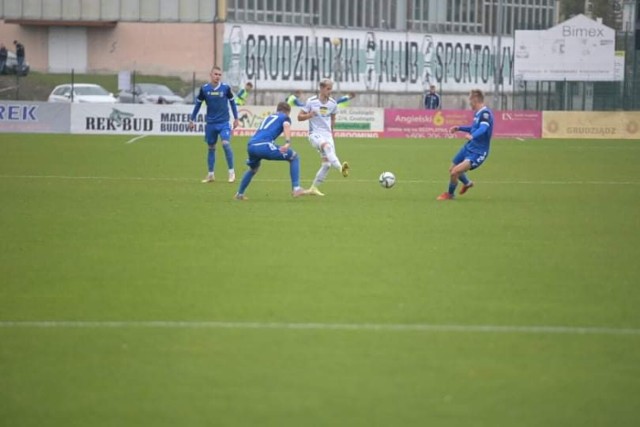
[(475, 151), (262, 146), (218, 97)]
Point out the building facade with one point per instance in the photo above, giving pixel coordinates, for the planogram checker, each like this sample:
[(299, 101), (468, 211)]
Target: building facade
[(378, 48)]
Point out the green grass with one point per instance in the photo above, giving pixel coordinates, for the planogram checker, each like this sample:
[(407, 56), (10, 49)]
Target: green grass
[(93, 230), (37, 86)]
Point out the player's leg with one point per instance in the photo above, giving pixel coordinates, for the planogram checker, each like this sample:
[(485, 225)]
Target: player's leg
[(316, 142), (294, 172), (255, 156), (475, 160), (321, 175), (246, 180), (329, 150), (457, 165), (466, 183), (272, 152), (210, 137), (225, 135)]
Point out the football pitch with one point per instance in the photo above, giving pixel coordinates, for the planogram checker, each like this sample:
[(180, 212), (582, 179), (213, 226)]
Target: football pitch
[(133, 295)]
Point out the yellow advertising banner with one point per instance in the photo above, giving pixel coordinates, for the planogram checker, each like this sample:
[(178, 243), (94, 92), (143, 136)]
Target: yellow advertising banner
[(591, 124)]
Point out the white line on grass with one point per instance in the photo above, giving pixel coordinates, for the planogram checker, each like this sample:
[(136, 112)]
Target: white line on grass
[(366, 181), (390, 327), (136, 138)]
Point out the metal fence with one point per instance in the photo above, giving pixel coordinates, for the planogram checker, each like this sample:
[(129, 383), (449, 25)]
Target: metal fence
[(546, 95), (585, 96)]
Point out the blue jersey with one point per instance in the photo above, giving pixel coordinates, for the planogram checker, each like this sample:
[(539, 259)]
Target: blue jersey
[(481, 130), (218, 100), (270, 128), (432, 101)]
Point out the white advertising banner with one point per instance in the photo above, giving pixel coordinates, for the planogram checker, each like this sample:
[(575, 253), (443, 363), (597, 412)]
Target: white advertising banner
[(37, 117), (292, 58), (140, 119), (578, 49)]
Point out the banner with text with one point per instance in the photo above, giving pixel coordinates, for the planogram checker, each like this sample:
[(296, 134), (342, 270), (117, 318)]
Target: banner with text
[(174, 120), (37, 117), (350, 122), (382, 61), (591, 124), (579, 49), (436, 123)]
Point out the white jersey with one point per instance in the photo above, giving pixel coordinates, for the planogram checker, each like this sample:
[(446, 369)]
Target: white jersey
[(321, 122)]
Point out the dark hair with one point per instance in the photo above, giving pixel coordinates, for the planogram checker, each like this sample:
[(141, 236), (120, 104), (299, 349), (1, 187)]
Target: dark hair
[(283, 107), (249, 84)]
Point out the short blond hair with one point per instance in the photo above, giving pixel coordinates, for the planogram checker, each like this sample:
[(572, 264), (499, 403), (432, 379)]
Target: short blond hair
[(477, 94), (326, 82)]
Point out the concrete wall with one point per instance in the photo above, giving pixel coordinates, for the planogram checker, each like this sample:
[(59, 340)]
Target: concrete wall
[(151, 48), (161, 49), (34, 39)]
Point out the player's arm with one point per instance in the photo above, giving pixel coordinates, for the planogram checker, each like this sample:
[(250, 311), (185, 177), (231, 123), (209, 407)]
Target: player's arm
[(333, 124), (286, 130), (196, 107), (306, 113), (483, 127), (234, 108)]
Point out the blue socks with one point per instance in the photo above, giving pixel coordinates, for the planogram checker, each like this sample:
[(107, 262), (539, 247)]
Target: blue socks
[(228, 153), (246, 180), (211, 158), (463, 179), (452, 188), (294, 171)]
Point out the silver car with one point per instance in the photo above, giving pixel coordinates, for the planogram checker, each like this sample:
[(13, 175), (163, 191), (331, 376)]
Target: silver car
[(81, 92), (149, 93)]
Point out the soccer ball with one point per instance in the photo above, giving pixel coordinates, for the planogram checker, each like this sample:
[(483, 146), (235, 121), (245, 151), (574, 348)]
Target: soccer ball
[(387, 179)]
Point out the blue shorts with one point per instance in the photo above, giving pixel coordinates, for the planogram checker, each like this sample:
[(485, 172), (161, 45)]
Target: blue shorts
[(212, 131), (476, 159), (267, 151)]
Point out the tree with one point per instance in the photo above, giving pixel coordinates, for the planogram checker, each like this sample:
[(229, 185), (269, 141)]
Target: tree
[(604, 9), (569, 8), (599, 9)]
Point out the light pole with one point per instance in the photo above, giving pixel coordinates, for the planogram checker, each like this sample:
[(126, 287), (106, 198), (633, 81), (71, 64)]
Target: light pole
[(497, 69)]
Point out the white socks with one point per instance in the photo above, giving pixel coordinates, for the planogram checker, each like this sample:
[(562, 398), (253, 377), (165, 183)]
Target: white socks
[(330, 153), (322, 173)]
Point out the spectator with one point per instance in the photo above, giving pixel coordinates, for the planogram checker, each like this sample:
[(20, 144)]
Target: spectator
[(243, 95), (3, 57), (432, 99), (294, 99), (19, 54), (344, 101)]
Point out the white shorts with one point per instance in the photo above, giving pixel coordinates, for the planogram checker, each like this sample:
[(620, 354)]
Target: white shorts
[(317, 140)]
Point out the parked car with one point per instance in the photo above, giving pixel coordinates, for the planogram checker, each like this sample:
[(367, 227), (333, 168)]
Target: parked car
[(190, 98), (149, 93), (11, 66), (82, 92)]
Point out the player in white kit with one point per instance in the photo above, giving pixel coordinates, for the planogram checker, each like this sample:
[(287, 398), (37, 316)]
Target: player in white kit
[(321, 112)]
